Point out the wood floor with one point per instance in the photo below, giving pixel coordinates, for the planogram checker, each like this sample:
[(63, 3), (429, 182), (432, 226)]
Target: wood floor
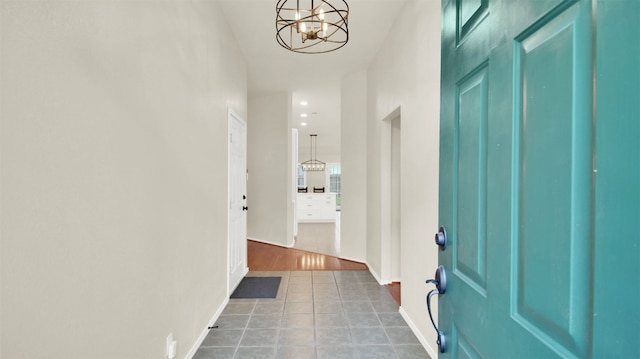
[(267, 257), (394, 290)]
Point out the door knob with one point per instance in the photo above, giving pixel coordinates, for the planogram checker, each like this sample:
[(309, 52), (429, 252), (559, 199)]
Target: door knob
[(440, 281), (441, 238)]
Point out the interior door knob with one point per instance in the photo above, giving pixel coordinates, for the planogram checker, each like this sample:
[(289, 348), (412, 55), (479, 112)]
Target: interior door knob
[(441, 238)]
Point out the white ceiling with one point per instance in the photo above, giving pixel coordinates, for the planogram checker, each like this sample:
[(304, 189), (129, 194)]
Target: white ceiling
[(314, 78)]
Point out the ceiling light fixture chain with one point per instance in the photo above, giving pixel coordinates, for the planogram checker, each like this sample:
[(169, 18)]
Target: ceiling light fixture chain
[(313, 164), (312, 26)]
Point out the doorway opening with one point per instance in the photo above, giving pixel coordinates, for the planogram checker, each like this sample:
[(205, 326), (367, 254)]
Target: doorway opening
[(391, 193), (318, 211), (395, 201)]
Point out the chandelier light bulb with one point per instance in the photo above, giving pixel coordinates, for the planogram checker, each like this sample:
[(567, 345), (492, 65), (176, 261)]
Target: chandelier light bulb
[(321, 14)]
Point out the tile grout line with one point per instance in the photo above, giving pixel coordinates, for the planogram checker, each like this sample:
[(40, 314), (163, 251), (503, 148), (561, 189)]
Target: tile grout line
[(244, 330), (327, 285)]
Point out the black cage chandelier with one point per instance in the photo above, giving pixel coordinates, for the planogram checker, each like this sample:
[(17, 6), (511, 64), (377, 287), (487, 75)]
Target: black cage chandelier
[(313, 164), (312, 26)]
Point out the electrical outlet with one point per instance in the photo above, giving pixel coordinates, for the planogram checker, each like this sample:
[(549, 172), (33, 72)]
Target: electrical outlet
[(172, 347)]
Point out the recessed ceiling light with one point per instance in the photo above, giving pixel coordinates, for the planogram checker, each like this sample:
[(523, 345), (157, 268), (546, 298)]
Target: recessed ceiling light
[(303, 123), (303, 115), (303, 103)]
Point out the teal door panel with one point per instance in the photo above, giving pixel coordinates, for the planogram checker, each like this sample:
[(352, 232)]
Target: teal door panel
[(616, 312), (470, 175), (521, 190)]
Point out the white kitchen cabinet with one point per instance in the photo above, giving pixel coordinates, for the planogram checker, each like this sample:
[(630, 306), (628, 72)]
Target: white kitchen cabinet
[(316, 207)]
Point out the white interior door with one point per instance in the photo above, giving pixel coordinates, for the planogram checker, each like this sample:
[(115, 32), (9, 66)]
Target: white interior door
[(237, 212)]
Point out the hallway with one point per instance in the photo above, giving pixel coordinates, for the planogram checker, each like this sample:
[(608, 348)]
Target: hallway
[(320, 237), (316, 314)]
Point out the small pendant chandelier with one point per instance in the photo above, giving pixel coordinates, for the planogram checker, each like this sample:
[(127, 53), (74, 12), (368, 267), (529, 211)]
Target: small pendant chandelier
[(313, 164), (312, 26)]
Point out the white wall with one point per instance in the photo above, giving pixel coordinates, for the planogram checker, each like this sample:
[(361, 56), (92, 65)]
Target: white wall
[(114, 183), (353, 224), (270, 215), (405, 75)]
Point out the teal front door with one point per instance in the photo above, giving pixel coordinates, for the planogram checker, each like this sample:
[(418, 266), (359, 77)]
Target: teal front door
[(539, 178)]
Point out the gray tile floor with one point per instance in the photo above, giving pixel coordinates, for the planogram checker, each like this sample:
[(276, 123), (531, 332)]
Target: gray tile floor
[(320, 314)]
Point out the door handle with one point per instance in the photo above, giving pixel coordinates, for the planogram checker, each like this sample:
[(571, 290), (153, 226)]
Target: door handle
[(441, 238), (440, 281), (244, 208)]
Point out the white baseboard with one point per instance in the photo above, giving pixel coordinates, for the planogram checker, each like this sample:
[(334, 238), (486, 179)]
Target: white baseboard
[(432, 352), (353, 260), (376, 276), (271, 243), (206, 329)]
